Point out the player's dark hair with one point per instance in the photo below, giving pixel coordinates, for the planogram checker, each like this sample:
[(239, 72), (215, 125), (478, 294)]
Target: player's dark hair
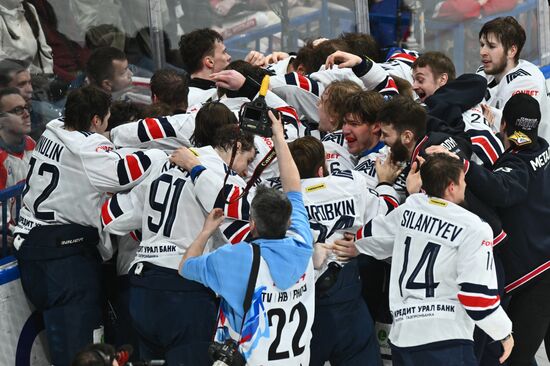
[(226, 136), (170, 87), (124, 111), (83, 104), (100, 64), (438, 171), (438, 62), (210, 118), (362, 44), (334, 99), (508, 31), (7, 91), (270, 209), (157, 110), (404, 114), (365, 105), (194, 46), (8, 69), (308, 154), (403, 87), (99, 354), (313, 57)]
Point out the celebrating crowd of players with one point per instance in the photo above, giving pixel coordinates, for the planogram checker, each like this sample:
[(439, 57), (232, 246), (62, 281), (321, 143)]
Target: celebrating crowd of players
[(442, 178)]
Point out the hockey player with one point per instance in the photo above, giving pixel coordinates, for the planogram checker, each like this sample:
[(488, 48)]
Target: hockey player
[(442, 275), (337, 204), (501, 41), (456, 101), (58, 236), (517, 187), (332, 107), (203, 53), (169, 208), (277, 328)]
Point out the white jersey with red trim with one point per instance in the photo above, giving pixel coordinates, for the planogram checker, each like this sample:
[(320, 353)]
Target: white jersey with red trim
[(337, 156), (281, 67), (339, 203), (264, 341), (13, 170), (486, 146), (167, 133), (69, 175), (442, 276), (300, 92), (170, 209), (524, 78), (399, 64), (14, 166)]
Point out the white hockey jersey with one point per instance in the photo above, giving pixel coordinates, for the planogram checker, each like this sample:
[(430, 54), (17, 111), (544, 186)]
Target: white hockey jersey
[(13, 170), (442, 276), (340, 203), (201, 91), (170, 209), (69, 175), (486, 146), (167, 133), (337, 156), (524, 78), (14, 166), (277, 328)]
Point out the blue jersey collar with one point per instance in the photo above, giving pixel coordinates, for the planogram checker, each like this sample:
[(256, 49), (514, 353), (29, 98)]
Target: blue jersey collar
[(377, 148)]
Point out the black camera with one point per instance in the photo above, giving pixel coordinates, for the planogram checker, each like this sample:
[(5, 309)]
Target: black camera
[(226, 354), (254, 118)]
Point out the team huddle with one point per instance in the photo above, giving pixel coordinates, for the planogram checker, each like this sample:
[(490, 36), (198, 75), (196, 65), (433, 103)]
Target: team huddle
[(383, 187)]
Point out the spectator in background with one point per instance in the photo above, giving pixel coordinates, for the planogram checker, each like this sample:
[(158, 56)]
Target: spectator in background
[(15, 73), (21, 36), (107, 69), (460, 10), (15, 144), (68, 56)]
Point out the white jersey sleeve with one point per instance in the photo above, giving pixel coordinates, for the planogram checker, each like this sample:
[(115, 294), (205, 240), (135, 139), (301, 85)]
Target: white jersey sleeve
[(486, 145), (168, 133), (477, 279), (337, 156), (300, 92)]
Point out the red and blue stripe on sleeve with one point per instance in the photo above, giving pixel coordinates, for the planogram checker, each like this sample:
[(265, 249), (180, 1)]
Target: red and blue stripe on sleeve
[(132, 166), (479, 301)]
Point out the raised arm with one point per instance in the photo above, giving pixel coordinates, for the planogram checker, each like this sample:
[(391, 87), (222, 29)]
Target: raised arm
[(290, 177)]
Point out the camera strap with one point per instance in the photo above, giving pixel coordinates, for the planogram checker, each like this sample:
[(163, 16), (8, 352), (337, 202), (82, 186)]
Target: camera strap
[(264, 163), (251, 283)]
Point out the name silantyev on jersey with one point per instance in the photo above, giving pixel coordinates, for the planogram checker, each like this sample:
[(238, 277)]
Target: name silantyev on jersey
[(425, 237), (277, 328)]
